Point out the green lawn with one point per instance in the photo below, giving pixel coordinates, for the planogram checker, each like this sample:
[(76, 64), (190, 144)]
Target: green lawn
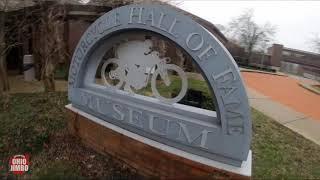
[(36, 124), (316, 87), (175, 86)]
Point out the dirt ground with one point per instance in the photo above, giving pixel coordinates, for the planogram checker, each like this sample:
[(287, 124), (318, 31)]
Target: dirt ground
[(286, 90)]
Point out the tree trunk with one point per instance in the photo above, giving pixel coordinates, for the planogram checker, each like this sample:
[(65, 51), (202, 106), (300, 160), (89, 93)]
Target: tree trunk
[(4, 81), (249, 54), (3, 75), (180, 58), (54, 49), (48, 75)]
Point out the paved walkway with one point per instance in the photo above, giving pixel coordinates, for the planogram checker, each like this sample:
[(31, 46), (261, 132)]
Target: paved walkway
[(281, 102), (287, 91)]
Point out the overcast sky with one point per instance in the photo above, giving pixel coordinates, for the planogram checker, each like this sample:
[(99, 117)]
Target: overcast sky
[(296, 21)]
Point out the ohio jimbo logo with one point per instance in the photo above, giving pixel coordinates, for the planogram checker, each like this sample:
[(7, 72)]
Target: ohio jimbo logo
[(19, 164)]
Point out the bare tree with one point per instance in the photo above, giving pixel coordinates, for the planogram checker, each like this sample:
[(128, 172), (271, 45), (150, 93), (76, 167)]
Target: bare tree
[(4, 47), (315, 43), (4, 82), (248, 34), (53, 46), (12, 26), (48, 19)]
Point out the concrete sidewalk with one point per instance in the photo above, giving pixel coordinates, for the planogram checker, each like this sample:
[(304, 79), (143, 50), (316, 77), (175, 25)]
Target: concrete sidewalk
[(298, 122)]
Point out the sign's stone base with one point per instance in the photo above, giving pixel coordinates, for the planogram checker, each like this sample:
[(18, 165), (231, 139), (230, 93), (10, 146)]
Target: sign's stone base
[(150, 158)]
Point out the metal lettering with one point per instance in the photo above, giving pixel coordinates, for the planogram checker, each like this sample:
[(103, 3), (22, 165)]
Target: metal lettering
[(151, 127), (172, 26), (117, 20), (135, 115), (228, 90), (203, 135), (84, 46), (224, 76), (119, 114), (162, 15), (206, 52), (139, 16), (198, 47), (151, 18)]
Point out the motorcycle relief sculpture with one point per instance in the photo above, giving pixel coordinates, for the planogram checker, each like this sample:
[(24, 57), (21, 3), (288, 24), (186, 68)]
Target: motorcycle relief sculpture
[(136, 62)]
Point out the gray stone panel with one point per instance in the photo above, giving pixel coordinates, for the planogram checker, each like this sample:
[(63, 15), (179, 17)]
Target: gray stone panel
[(225, 138)]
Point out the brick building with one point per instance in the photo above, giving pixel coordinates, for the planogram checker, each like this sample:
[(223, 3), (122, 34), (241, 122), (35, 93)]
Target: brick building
[(280, 58), (293, 61), (78, 18), (29, 38)]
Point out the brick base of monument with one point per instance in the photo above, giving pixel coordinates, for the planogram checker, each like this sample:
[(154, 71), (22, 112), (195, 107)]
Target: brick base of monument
[(150, 158)]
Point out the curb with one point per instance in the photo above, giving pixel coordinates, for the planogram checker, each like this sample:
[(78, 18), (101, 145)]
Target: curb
[(262, 72), (309, 88)]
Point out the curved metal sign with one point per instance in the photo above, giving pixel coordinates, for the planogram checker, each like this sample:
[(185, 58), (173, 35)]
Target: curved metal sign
[(223, 135)]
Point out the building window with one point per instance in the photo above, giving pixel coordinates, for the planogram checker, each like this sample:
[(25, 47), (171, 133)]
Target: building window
[(298, 55), (286, 53)]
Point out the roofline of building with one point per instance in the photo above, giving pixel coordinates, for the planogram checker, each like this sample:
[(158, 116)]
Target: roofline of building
[(301, 63), (302, 51)]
